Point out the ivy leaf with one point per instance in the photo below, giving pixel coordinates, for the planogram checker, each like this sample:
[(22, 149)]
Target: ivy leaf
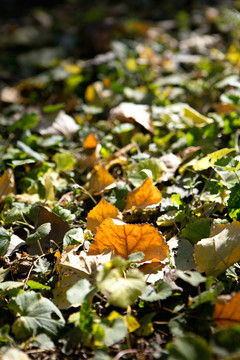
[(35, 315), (42, 231), (163, 291), (120, 291), (5, 239)]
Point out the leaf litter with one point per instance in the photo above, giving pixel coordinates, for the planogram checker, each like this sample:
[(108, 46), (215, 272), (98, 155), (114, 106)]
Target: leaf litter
[(119, 182)]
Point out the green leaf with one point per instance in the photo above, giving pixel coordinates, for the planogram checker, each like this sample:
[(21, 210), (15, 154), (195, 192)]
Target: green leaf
[(136, 257), (36, 314), (210, 159), (64, 161), (73, 237), (40, 233), (137, 175), (233, 203), (25, 122), (189, 348), (120, 291), (197, 230), (77, 294), (64, 213), (5, 239), (13, 215), (163, 291), (115, 332), (34, 285), (197, 119)]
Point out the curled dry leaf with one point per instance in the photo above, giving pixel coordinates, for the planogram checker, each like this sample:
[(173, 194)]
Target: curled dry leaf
[(91, 141), (227, 313), (215, 254), (125, 239), (100, 212), (133, 113), (143, 196), (7, 184), (100, 180), (73, 267)]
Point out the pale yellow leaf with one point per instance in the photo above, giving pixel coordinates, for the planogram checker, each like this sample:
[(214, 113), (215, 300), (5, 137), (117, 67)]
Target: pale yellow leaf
[(215, 254)]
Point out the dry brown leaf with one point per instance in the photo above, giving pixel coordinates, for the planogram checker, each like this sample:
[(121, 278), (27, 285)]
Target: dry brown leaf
[(7, 184), (100, 212), (100, 180), (131, 112), (59, 227), (143, 196), (73, 267), (227, 313), (215, 254), (125, 239), (91, 141)]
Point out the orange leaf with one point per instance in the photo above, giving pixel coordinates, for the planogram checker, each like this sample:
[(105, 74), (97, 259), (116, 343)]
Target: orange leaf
[(100, 179), (125, 239), (143, 196), (91, 141), (100, 212), (227, 313), (7, 184)]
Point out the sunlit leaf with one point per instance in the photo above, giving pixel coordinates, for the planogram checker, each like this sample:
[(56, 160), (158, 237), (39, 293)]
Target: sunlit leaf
[(215, 254), (91, 141), (124, 239), (133, 113), (120, 290), (227, 313), (195, 118), (100, 180), (143, 196), (210, 159), (7, 184), (35, 315), (100, 212)]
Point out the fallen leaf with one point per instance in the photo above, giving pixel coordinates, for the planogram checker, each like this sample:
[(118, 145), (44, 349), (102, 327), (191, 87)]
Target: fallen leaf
[(143, 196), (131, 112), (62, 124), (100, 180), (194, 118), (124, 239), (215, 254), (227, 313), (59, 227), (91, 141), (7, 184), (100, 212), (73, 267)]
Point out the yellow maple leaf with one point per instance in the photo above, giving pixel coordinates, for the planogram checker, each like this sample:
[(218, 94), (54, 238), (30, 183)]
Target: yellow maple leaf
[(125, 239), (143, 196), (100, 212)]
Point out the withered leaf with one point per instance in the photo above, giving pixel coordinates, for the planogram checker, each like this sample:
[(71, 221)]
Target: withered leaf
[(72, 267), (131, 112), (91, 141), (227, 313), (7, 184), (59, 227), (100, 212), (100, 180), (143, 196), (124, 239), (215, 254)]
